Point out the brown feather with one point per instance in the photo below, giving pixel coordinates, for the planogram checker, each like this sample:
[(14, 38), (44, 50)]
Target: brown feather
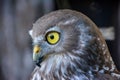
[(81, 54)]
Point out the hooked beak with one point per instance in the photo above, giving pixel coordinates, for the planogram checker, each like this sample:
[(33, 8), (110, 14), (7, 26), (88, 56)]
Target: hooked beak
[(36, 55), (36, 52)]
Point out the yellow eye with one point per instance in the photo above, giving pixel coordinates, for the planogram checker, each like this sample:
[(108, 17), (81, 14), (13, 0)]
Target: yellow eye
[(52, 37)]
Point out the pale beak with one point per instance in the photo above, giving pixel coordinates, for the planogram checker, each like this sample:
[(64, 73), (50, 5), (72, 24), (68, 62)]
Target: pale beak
[(36, 52)]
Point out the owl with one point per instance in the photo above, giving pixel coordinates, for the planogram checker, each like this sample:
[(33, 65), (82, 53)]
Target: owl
[(67, 45)]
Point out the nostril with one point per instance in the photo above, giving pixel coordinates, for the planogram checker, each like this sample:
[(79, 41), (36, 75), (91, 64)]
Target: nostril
[(36, 49)]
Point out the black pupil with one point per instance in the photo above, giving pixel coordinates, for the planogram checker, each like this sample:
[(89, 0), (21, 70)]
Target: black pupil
[(51, 36)]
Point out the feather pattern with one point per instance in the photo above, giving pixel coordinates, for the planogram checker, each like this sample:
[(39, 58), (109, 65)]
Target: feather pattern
[(81, 54)]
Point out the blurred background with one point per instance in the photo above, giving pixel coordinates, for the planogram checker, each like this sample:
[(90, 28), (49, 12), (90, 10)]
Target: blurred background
[(17, 17)]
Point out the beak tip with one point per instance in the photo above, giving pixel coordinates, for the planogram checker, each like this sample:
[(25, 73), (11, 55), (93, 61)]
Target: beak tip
[(35, 57)]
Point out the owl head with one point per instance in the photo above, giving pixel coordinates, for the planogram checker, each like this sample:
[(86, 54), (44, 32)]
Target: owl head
[(54, 34), (68, 43), (68, 38)]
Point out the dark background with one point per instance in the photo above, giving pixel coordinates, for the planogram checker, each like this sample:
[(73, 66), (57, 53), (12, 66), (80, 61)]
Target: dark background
[(17, 17)]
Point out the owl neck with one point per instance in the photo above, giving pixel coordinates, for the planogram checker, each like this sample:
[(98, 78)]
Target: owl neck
[(65, 65)]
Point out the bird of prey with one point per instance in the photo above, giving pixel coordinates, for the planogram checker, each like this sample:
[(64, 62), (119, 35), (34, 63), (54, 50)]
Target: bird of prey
[(67, 45)]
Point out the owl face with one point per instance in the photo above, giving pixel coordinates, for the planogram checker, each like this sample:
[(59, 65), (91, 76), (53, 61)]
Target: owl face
[(53, 36)]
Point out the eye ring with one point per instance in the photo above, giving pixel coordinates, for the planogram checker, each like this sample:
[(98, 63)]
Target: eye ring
[(52, 37)]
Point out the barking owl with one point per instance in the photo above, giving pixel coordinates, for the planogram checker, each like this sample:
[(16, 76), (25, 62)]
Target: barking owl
[(67, 45)]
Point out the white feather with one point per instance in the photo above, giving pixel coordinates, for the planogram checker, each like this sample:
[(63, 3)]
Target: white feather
[(30, 32)]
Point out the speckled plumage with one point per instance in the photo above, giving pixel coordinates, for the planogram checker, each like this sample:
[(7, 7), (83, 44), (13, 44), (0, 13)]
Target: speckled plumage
[(81, 53)]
